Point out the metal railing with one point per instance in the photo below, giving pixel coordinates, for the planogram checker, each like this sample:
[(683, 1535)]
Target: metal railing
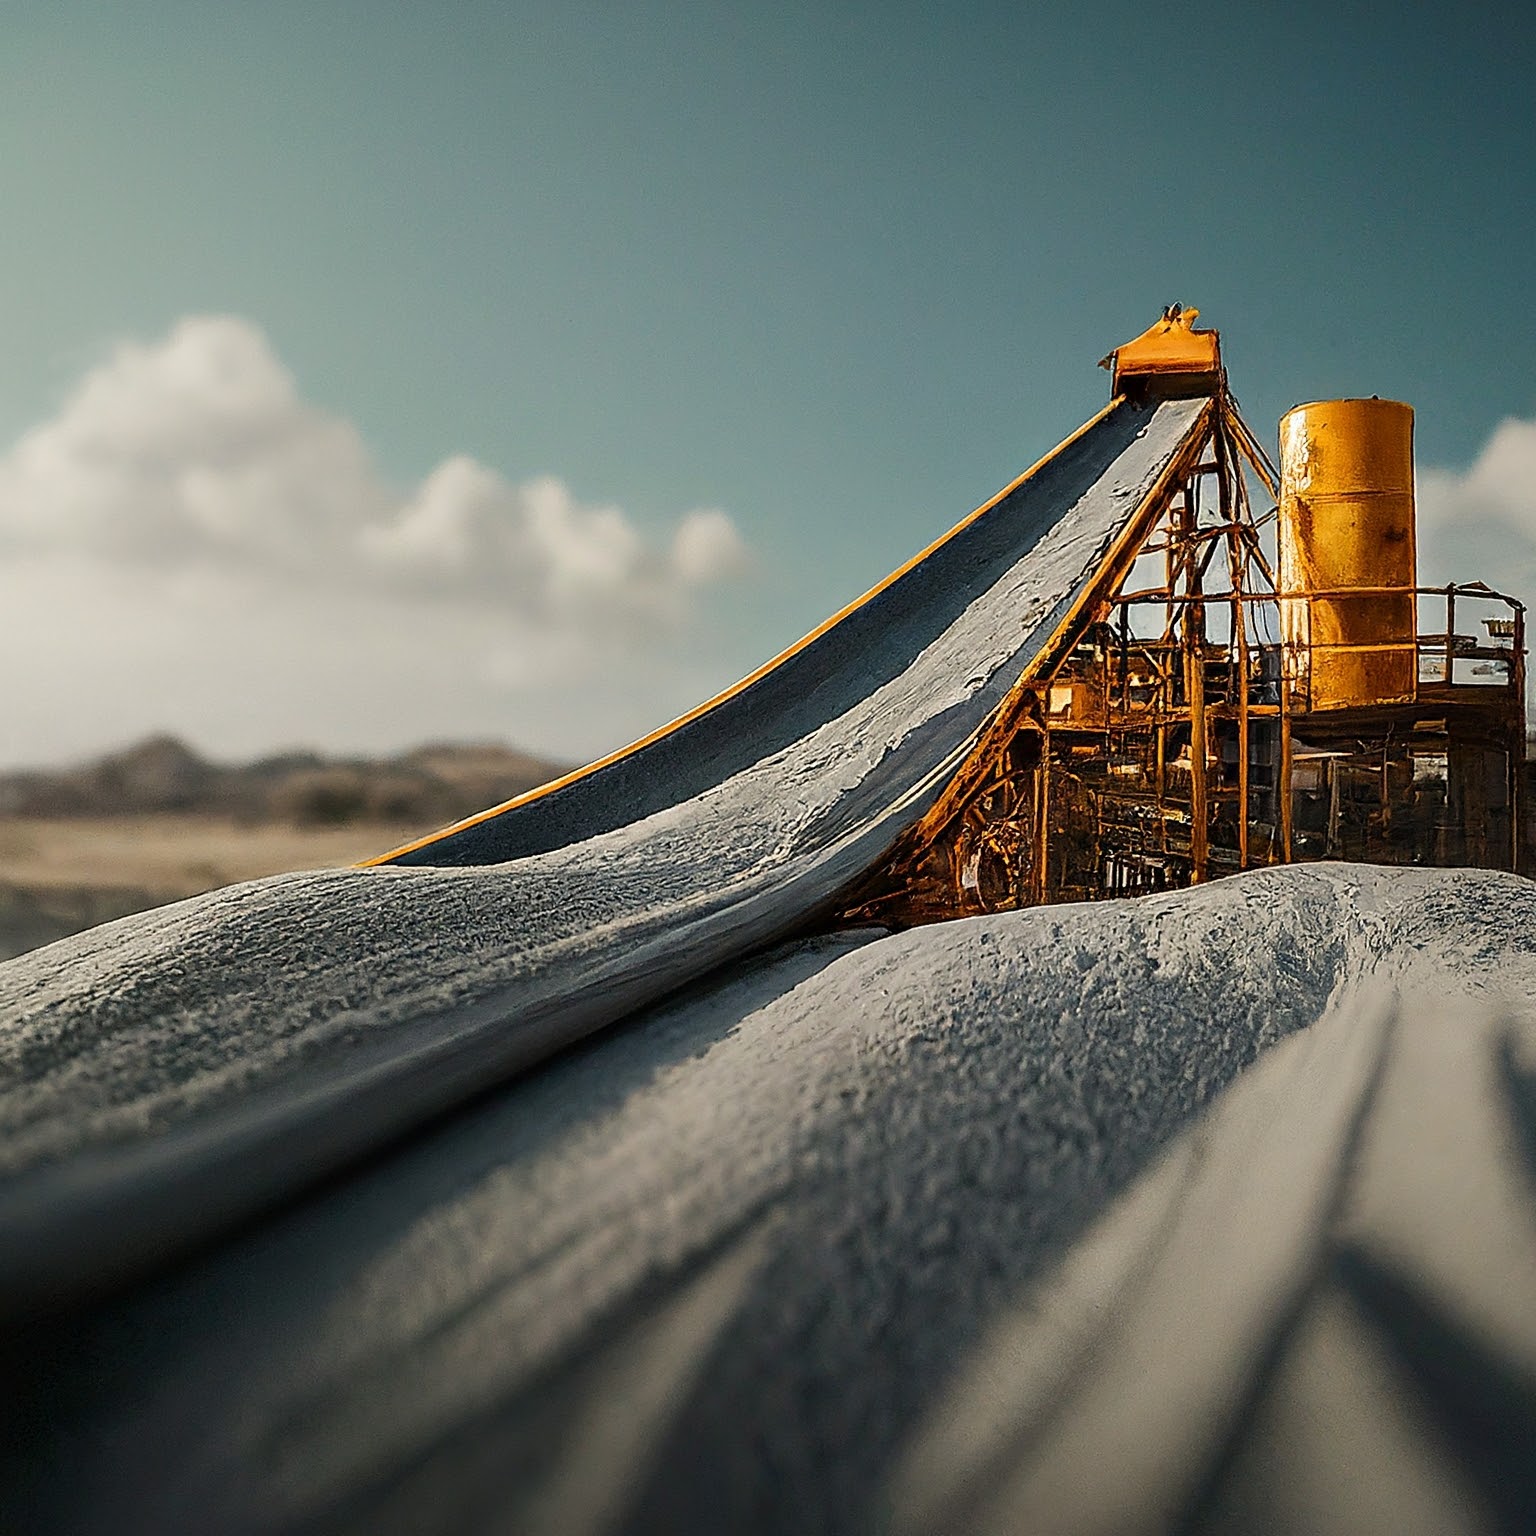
[(1449, 651)]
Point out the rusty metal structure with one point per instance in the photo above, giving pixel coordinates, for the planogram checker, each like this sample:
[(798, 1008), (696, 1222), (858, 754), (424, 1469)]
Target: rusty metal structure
[(1254, 677)]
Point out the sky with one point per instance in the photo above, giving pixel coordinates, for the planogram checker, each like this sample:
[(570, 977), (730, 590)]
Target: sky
[(372, 373)]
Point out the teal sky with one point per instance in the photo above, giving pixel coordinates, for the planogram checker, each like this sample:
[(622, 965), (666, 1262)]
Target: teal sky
[(841, 276)]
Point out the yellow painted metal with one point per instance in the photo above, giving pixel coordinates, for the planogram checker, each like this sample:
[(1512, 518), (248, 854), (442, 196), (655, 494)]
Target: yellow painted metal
[(1170, 356), (1347, 522)]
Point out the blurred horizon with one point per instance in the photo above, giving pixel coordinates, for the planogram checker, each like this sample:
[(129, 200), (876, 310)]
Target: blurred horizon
[(278, 751), (157, 740), (154, 821)]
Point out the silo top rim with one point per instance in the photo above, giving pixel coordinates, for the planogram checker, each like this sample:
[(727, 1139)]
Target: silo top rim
[(1308, 405)]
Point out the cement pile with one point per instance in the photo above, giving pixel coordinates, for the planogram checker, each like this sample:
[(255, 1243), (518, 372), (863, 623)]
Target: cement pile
[(165, 1075), (1207, 1212)]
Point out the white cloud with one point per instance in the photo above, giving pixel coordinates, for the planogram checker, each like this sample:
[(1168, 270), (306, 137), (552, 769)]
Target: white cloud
[(1480, 524), (706, 546), (467, 530), (199, 449), (188, 543), (1500, 485)]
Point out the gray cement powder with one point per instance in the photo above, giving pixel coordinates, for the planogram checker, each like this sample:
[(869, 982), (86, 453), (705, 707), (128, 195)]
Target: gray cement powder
[(912, 1230)]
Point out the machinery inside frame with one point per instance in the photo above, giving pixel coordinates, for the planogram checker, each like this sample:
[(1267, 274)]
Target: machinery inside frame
[(1258, 679)]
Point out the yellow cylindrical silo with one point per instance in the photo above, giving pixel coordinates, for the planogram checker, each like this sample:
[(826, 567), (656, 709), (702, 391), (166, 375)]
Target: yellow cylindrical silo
[(1346, 545)]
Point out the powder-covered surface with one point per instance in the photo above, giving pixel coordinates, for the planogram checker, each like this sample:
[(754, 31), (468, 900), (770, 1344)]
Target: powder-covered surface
[(1317, 1314), (165, 1074), (925, 1230), (1043, 516)]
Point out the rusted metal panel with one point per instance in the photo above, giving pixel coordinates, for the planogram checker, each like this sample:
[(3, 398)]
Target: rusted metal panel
[(1347, 553)]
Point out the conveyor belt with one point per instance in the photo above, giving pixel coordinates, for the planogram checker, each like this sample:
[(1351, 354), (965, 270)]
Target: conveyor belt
[(166, 1075)]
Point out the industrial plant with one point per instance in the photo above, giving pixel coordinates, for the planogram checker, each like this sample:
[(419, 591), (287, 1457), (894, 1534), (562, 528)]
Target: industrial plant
[(1252, 676)]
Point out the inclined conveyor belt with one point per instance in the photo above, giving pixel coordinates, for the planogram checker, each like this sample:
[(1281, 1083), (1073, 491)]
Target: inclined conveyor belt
[(167, 1075)]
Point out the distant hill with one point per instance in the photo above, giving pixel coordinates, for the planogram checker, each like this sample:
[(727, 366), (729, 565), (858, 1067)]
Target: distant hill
[(162, 775)]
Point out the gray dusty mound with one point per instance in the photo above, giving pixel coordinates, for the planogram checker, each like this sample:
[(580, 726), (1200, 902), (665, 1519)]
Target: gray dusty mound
[(167, 1075), (1208, 1212)]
